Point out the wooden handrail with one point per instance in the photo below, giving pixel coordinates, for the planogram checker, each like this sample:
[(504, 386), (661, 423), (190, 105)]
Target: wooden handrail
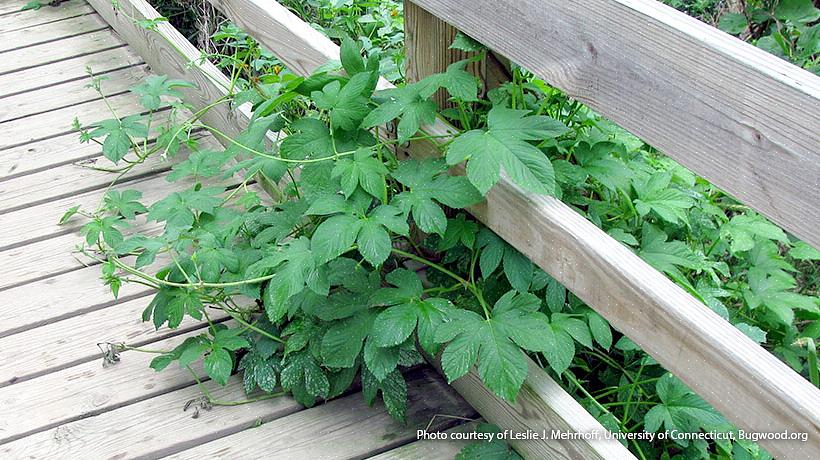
[(747, 121), (737, 376)]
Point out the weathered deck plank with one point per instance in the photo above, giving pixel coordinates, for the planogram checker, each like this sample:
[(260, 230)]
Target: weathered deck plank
[(23, 131), (59, 297), (86, 390), (49, 32), (47, 258), (345, 428), (52, 152), (64, 181), (74, 68), (19, 20), (74, 340), (69, 94), (46, 53)]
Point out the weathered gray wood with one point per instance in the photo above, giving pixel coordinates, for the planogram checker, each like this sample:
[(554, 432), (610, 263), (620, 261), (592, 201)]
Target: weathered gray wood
[(66, 70), (152, 428), (742, 380), (23, 131), (427, 42), (52, 152), (44, 259), (740, 117), (430, 449), (69, 94), (59, 297), (38, 206), (26, 192), (49, 32), (74, 340), (86, 390), (47, 53), (343, 428), (23, 19)]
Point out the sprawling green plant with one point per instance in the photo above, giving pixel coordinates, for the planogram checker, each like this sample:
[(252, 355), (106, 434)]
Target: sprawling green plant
[(362, 260)]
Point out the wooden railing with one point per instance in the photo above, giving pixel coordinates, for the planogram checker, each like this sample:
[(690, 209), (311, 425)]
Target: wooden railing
[(743, 119)]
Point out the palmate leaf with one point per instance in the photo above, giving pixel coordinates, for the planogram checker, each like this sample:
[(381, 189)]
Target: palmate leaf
[(743, 228), (363, 170), (125, 203), (410, 103), (595, 159), (505, 144), (494, 252), (406, 311), (655, 195), (347, 104), (664, 255), (153, 88), (369, 230), (495, 342), (428, 185), (680, 410), (118, 135), (772, 292)]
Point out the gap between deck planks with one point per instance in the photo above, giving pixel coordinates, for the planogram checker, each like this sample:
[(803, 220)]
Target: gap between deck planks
[(74, 340), (19, 20), (47, 53), (89, 389), (70, 69), (23, 131), (68, 94), (50, 32)]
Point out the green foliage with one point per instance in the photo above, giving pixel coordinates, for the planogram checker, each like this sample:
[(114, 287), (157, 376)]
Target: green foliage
[(321, 279)]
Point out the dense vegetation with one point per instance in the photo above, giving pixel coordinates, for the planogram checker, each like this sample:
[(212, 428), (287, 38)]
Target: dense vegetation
[(323, 282)]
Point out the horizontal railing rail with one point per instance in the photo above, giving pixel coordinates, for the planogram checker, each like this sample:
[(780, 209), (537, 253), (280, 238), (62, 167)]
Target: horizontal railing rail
[(747, 121)]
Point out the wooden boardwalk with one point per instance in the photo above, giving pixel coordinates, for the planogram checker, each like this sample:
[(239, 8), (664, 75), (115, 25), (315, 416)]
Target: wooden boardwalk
[(56, 398)]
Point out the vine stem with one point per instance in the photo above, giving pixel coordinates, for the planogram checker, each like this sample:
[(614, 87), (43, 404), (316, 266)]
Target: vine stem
[(127, 268), (467, 285), (252, 327)]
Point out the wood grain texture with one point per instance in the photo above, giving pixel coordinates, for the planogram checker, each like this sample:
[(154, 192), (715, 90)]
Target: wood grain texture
[(23, 19), (67, 70), (738, 377), (51, 31), (47, 53), (344, 428), (86, 390), (60, 297), (45, 204), (74, 340), (124, 433), (54, 256), (69, 94), (23, 131), (427, 42), (429, 449), (52, 152), (745, 120), (27, 192)]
